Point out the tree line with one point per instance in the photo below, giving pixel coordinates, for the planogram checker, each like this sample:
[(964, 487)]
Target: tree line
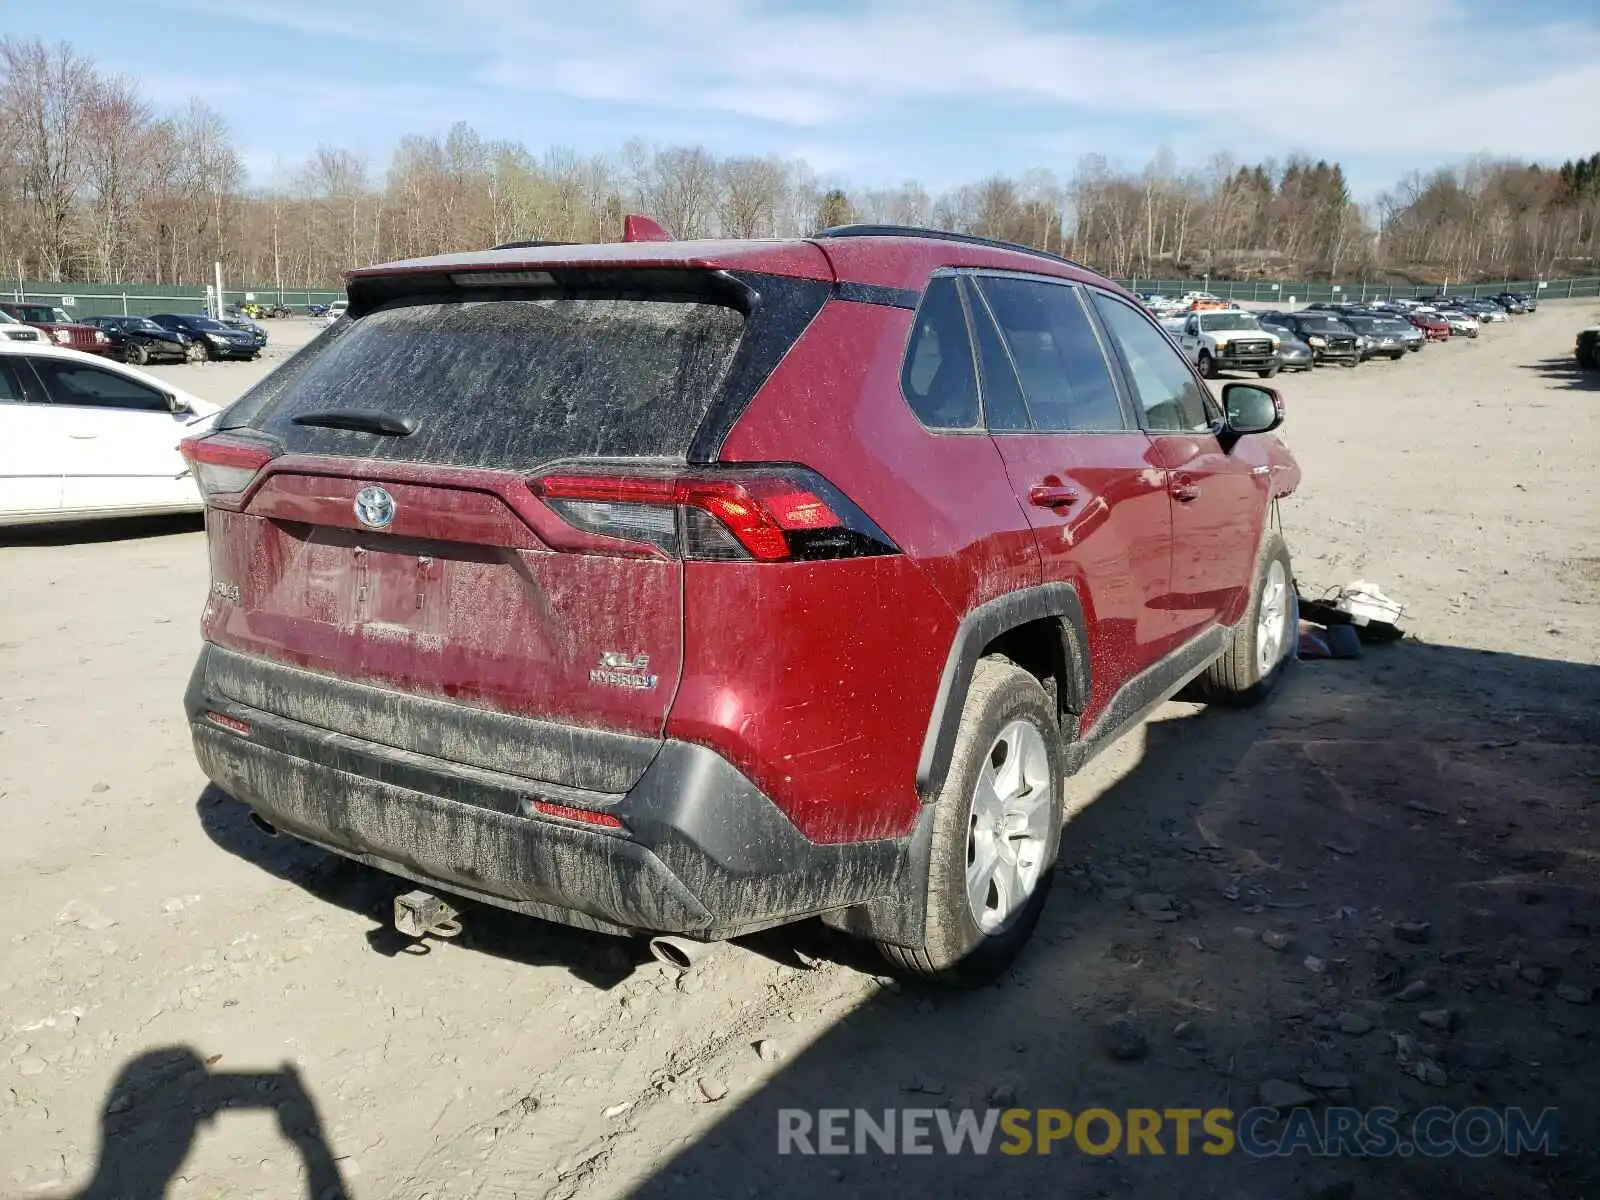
[(96, 184)]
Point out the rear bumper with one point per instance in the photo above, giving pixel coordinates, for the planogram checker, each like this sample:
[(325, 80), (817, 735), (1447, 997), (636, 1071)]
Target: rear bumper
[(701, 851)]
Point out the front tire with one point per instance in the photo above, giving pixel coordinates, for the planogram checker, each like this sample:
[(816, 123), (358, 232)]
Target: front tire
[(137, 354), (996, 831), (1208, 366), (1250, 668)]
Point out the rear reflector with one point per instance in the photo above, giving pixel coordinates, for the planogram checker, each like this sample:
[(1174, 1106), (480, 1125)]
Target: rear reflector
[(567, 813), (224, 466), (765, 514), (227, 722)]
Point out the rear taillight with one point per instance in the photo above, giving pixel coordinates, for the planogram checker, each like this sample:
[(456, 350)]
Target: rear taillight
[(224, 466), (761, 514)]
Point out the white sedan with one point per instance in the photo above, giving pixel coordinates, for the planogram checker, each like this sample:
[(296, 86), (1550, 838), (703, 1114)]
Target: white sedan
[(82, 437)]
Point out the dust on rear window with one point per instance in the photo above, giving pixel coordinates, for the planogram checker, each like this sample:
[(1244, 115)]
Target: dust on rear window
[(506, 383)]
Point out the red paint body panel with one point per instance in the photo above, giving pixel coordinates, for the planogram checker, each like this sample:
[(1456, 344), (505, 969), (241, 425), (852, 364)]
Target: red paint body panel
[(816, 680), (1216, 531), (835, 403), (459, 599), (1113, 543)]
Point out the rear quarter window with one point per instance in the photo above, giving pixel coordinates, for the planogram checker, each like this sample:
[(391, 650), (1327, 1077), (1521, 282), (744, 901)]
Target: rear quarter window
[(507, 383)]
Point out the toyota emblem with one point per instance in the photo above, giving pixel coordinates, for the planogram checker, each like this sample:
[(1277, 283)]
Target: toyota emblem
[(374, 507)]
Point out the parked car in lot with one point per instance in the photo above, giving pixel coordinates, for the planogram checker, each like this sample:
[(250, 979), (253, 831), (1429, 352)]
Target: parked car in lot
[(85, 437), (1391, 321), (60, 328), (1330, 339), (245, 325), (13, 330), (1381, 336), (139, 340), (216, 340), (1293, 353), (1485, 310), (1434, 327), (1518, 302), (629, 652), (336, 310), (1461, 322), (1229, 341)]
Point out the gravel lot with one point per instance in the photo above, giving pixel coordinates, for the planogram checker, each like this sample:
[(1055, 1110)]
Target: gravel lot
[(165, 960)]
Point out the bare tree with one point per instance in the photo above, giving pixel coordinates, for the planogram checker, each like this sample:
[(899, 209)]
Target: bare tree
[(683, 190), (752, 190), (47, 92)]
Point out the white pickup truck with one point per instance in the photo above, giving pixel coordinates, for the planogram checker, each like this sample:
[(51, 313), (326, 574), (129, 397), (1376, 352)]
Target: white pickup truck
[(1228, 340)]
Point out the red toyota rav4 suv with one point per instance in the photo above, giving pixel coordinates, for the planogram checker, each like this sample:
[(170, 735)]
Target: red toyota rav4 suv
[(688, 588)]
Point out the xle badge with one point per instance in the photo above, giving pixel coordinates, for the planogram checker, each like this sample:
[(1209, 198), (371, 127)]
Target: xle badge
[(623, 670)]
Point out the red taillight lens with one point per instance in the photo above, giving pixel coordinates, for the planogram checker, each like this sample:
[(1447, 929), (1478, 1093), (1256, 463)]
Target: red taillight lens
[(223, 466), (768, 514)]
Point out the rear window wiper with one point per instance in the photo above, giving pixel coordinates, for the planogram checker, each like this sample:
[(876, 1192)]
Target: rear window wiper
[(360, 420)]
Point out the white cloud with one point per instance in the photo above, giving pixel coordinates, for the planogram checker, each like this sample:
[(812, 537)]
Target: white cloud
[(1259, 79)]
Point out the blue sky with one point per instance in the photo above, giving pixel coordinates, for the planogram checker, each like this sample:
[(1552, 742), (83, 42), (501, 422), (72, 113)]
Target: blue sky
[(874, 92)]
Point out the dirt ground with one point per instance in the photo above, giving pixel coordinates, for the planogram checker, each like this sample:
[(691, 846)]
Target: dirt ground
[(165, 961)]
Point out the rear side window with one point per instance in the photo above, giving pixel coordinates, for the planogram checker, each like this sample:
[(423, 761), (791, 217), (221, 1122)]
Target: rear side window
[(1065, 378), (508, 383), (938, 376), (1004, 409)]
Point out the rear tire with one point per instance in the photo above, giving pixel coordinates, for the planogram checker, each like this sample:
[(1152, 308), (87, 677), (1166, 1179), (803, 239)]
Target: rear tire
[(996, 831), (1250, 668), (1270, 371)]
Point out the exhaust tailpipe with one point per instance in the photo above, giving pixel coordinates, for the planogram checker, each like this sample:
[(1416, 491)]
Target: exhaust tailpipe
[(261, 823), (681, 954)]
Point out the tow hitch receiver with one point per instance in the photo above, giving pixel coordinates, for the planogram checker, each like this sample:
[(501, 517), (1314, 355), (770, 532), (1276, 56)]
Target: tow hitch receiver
[(421, 914)]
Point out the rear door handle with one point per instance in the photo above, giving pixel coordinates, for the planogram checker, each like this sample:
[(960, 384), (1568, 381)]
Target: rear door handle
[(82, 436), (1047, 495)]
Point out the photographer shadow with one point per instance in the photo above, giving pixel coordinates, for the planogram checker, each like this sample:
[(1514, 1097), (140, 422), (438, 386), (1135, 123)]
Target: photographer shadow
[(162, 1098)]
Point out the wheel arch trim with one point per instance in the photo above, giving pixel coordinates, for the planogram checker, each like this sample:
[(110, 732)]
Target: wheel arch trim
[(976, 630)]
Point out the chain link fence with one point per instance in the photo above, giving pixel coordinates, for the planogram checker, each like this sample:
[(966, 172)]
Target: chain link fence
[(1282, 292), (145, 300), (136, 299)]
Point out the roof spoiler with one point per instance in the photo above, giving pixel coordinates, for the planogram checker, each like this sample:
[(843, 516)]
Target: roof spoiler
[(639, 228)]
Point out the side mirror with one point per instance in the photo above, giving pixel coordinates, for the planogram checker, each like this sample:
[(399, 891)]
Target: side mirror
[(178, 405), (1250, 409)]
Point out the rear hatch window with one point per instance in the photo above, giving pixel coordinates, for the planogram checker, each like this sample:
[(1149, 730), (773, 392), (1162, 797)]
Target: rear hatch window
[(506, 382)]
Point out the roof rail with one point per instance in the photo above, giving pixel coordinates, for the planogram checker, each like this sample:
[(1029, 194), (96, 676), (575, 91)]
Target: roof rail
[(528, 245), (916, 231)]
